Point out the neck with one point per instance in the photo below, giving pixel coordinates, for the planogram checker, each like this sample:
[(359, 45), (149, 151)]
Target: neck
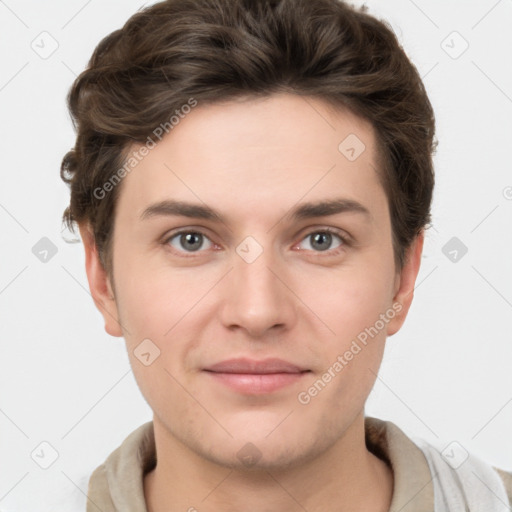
[(346, 477)]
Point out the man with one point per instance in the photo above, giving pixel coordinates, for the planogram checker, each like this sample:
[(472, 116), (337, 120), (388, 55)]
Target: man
[(251, 181)]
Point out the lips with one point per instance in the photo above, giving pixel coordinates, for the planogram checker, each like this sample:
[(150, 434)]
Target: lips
[(251, 366), (250, 376)]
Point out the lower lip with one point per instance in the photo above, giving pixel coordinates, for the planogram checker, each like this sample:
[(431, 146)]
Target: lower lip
[(257, 383)]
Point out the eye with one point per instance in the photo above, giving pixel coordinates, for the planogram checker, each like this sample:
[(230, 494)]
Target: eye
[(189, 241), (323, 240)]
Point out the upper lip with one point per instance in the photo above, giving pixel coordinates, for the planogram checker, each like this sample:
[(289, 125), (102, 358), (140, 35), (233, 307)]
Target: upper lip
[(252, 366)]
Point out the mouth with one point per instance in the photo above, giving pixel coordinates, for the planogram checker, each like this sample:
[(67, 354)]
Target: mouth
[(254, 377)]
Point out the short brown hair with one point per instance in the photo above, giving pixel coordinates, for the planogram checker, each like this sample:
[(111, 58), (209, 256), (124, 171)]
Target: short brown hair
[(216, 50)]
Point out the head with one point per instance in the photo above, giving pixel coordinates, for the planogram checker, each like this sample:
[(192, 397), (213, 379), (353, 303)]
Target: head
[(251, 180)]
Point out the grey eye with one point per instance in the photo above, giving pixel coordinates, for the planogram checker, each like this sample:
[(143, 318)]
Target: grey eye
[(189, 241), (320, 241)]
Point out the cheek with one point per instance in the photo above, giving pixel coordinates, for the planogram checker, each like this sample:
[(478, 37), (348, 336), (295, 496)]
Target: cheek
[(155, 309), (351, 357), (155, 301), (350, 300), (356, 303), (166, 307)]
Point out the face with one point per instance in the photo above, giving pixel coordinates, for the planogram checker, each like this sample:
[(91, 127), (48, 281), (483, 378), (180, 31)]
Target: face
[(254, 278)]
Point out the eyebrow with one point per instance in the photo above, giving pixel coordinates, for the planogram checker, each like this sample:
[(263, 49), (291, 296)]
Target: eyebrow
[(172, 207)]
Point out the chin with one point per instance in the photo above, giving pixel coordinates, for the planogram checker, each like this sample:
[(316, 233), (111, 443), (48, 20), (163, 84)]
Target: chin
[(253, 459), (275, 453)]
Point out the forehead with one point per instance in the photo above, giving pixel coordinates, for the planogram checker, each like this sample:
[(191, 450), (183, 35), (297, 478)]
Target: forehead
[(280, 149)]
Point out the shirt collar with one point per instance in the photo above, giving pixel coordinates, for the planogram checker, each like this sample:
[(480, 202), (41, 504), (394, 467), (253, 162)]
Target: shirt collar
[(413, 490), (118, 483)]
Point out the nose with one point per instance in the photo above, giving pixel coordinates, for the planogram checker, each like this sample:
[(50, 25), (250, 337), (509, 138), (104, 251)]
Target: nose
[(257, 297)]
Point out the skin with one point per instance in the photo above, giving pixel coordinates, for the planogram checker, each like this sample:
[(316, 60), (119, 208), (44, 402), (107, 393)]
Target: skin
[(254, 161)]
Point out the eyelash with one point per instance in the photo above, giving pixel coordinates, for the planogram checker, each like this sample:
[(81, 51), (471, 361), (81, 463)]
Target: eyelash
[(345, 241)]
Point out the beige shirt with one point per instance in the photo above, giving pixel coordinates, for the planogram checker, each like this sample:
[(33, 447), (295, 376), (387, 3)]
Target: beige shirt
[(117, 485)]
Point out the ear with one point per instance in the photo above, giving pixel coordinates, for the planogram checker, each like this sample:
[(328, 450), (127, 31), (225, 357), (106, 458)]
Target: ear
[(404, 284), (99, 283)]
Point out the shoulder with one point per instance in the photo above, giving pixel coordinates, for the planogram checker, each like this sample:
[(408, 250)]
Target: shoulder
[(117, 484), (430, 470), (98, 491), (506, 476)]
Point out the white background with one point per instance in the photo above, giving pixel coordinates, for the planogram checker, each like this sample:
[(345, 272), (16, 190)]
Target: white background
[(446, 376)]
